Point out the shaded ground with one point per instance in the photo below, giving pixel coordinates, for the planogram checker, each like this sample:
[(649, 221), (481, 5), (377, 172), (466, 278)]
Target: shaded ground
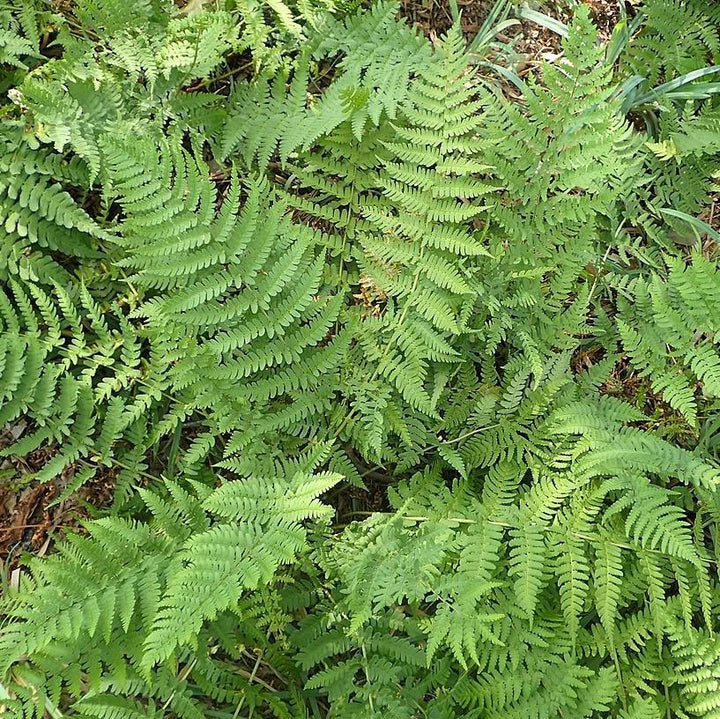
[(434, 18), (30, 518)]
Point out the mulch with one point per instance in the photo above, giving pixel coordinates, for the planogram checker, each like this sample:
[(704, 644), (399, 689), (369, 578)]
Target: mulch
[(30, 518), (433, 17)]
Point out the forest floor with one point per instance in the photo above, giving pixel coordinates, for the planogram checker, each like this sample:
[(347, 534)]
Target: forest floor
[(32, 515)]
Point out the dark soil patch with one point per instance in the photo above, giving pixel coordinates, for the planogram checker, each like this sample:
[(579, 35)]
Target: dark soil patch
[(528, 39), (605, 14), (434, 18), (626, 384), (30, 520), (711, 215)]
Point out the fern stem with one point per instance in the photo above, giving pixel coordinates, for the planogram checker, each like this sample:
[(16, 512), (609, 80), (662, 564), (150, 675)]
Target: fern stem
[(366, 669), (468, 434), (251, 678), (184, 674), (209, 81), (597, 274)]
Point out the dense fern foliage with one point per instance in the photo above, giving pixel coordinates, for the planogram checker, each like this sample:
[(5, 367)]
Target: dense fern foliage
[(404, 362)]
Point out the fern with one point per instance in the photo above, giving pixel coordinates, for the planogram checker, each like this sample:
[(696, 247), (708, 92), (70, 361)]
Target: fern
[(19, 35), (137, 576), (678, 36), (275, 263), (670, 331), (233, 297), (280, 114), (41, 219), (55, 373)]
